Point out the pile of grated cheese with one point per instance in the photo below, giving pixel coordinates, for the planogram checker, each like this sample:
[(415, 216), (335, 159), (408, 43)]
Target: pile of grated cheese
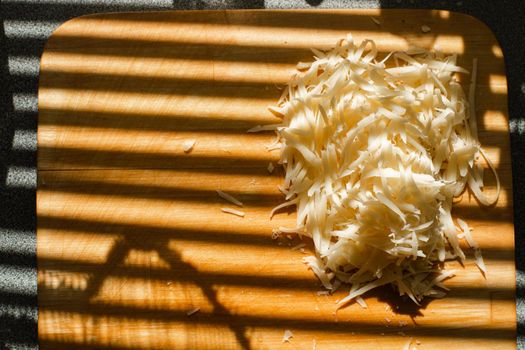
[(374, 153)]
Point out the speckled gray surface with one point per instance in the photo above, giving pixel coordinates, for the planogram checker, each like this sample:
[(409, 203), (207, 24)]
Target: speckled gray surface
[(25, 26)]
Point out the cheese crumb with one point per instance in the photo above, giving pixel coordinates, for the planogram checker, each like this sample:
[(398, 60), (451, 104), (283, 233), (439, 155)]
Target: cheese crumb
[(187, 145)]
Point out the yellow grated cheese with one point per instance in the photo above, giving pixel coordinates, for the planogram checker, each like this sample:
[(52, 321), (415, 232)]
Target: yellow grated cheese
[(374, 153)]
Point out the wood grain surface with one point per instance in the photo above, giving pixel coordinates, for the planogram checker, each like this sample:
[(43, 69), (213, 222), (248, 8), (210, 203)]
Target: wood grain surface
[(130, 232)]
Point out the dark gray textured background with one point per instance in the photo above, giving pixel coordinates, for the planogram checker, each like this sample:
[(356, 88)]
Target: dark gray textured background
[(25, 26)]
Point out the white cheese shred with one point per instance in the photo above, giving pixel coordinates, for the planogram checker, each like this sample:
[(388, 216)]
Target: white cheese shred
[(374, 153), (193, 311), (233, 212), (407, 344), (287, 336), (361, 302), (228, 197), (299, 246)]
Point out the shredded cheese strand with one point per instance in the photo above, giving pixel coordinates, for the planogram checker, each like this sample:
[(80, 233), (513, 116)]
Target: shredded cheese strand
[(233, 212), (228, 197)]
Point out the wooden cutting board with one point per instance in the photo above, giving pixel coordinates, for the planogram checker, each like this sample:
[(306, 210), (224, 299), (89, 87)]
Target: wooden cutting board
[(130, 232)]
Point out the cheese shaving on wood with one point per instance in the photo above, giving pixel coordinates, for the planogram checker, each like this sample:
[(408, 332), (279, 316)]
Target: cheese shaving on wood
[(193, 311), (228, 197), (233, 212), (361, 302), (374, 153), (299, 246), (425, 29), (287, 335)]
